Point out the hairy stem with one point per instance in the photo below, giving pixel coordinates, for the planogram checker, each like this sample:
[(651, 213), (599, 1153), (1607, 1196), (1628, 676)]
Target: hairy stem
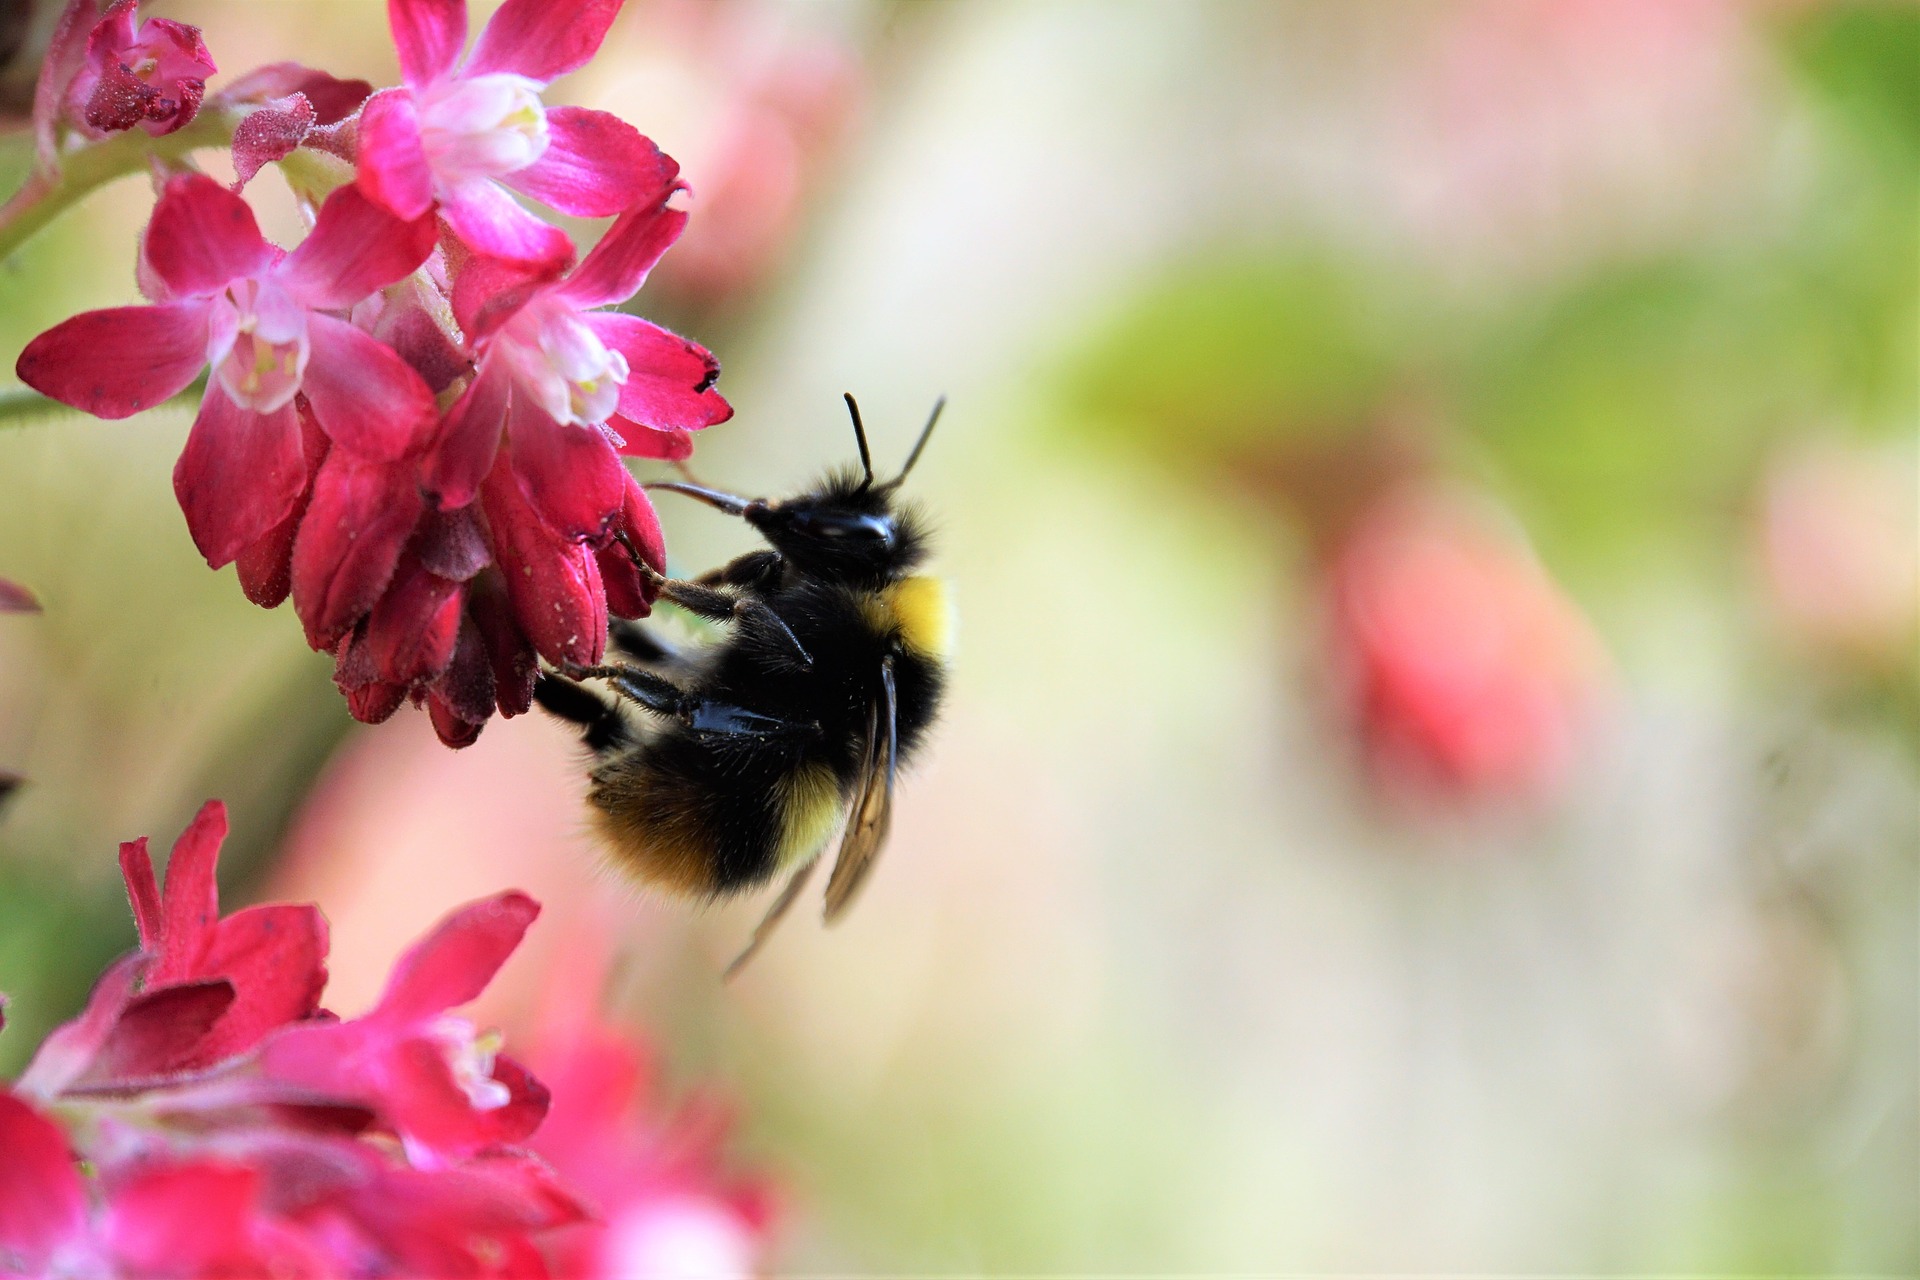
[(45, 197)]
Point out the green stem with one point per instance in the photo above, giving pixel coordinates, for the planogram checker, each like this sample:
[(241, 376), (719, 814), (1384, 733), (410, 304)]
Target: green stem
[(82, 171), (21, 406)]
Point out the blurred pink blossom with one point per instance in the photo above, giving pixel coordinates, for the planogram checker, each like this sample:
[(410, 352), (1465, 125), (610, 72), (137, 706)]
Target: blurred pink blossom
[(1470, 671)]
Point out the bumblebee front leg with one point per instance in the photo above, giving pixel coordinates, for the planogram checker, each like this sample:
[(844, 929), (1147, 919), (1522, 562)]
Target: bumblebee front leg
[(712, 603)]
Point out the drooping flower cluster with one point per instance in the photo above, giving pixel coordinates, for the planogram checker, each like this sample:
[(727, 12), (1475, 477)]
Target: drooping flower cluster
[(414, 420), (204, 1115)]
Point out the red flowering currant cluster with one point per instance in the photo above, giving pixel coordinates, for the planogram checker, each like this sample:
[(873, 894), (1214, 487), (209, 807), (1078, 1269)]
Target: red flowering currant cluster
[(205, 1116), (413, 421)]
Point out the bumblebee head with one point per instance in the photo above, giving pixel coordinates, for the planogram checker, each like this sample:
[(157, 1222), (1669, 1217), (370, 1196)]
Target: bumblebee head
[(846, 527)]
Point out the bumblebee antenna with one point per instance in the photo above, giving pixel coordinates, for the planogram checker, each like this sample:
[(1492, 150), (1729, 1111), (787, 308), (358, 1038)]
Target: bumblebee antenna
[(925, 433), (732, 504), (860, 438)]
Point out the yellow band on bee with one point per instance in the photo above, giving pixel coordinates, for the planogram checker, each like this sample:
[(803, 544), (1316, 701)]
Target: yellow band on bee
[(922, 611)]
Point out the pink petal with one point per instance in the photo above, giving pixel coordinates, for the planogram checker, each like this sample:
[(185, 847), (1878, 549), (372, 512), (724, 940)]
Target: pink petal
[(143, 892), (570, 475), (453, 729), (509, 653), (629, 593), (265, 569), (43, 1203), (491, 223), (115, 363), (463, 453), (419, 1096), (669, 381), (364, 395), (275, 956), (393, 170), (66, 1052), (453, 964), (411, 632), (333, 99), (616, 267), (191, 903), (488, 291), (433, 1110), (269, 134), (187, 1220), (452, 543), (637, 441), (203, 237), (428, 35), (554, 586), (158, 1032), (358, 521), (595, 166), (406, 325), (239, 475), (376, 702), (466, 687), (355, 248), (15, 598), (542, 40), (323, 1058)]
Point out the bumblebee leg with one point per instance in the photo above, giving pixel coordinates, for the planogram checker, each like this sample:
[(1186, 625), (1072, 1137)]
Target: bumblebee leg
[(656, 693), (767, 922), (640, 644), (712, 603), (605, 728)]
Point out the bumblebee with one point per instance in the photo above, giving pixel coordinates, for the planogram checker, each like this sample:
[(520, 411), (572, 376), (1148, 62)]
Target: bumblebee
[(749, 753)]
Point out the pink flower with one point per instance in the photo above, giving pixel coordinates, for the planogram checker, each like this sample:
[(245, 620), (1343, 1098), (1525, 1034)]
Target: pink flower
[(201, 989), (568, 385), (182, 1124), (1470, 671), (443, 1086), (264, 322), (171, 1218), (456, 131), (152, 74), (449, 608), (664, 1206)]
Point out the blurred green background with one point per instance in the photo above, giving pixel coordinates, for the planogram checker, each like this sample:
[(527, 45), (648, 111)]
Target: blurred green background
[(1169, 967)]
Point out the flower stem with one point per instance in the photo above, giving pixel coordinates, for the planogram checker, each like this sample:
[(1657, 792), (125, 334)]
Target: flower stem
[(22, 406), (45, 196)]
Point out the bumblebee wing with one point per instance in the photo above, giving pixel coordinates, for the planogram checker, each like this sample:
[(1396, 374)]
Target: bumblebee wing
[(872, 806), (764, 930)]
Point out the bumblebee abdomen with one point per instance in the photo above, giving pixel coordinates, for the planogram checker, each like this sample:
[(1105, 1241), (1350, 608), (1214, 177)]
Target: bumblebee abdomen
[(701, 823)]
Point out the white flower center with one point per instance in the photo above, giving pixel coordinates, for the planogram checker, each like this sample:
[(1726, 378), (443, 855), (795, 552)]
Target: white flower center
[(470, 1058), (257, 344), (562, 364), (481, 126)]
